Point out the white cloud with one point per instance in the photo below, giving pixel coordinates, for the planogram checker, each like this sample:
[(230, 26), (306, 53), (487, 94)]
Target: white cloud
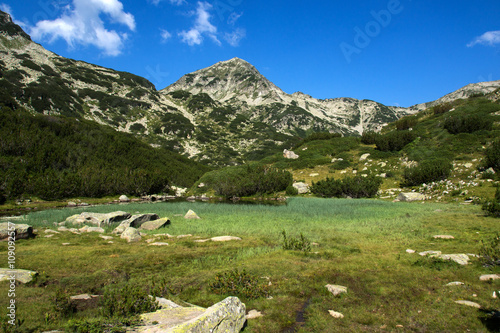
[(235, 37), (81, 24), (202, 26), (165, 35), (6, 8), (490, 38)]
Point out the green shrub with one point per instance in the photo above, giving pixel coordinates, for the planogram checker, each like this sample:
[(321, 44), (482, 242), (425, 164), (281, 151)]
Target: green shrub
[(492, 208), (426, 172), (468, 123), (62, 305), (296, 244), (406, 123), (394, 141), (99, 325), (247, 180), (441, 108), (318, 136), (126, 302), (290, 190), (490, 251), (340, 165), (492, 156), (241, 284), (369, 138), (354, 187)]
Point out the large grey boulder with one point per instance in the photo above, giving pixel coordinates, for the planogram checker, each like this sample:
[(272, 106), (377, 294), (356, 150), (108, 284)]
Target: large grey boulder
[(98, 219), (411, 196), (135, 221), (302, 188), (21, 231), (288, 154), (227, 316), (21, 275), (131, 235), (156, 224)]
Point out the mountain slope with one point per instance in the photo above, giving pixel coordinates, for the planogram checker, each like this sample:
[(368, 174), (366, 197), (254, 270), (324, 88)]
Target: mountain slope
[(225, 114), (239, 84)]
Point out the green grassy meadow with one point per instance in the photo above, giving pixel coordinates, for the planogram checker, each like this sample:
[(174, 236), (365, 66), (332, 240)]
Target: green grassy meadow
[(360, 244)]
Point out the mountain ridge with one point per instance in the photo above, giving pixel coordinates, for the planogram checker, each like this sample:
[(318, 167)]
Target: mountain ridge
[(224, 114)]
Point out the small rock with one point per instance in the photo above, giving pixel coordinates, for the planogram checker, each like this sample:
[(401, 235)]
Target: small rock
[(489, 277), (252, 314), (50, 231), (21, 275), (201, 240), (364, 157), (336, 289), (433, 253), (191, 215), (314, 175), (410, 251), (456, 283), (461, 259), (469, 303), (66, 244), (224, 238), (335, 314), (106, 237), (185, 236), (123, 198), (443, 237), (72, 204), (158, 244), (96, 229), (49, 236), (410, 196)]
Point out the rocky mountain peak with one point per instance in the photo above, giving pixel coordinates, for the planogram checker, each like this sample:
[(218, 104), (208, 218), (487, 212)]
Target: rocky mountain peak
[(7, 26), (226, 80)]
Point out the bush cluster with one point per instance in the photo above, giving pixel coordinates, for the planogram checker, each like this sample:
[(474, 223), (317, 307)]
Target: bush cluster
[(406, 123), (354, 187), (247, 180), (441, 108), (492, 208), (241, 284), (468, 123), (394, 141), (57, 157), (126, 301), (490, 251), (426, 172), (369, 137), (492, 156), (296, 244)]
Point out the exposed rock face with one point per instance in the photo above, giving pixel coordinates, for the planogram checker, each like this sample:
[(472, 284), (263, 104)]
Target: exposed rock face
[(224, 238), (22, 231)]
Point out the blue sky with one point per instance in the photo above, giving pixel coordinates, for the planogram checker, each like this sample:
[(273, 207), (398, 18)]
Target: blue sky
[(397, 52)]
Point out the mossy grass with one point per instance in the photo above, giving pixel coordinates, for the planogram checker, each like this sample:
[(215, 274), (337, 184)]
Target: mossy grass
[(356, 243)]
